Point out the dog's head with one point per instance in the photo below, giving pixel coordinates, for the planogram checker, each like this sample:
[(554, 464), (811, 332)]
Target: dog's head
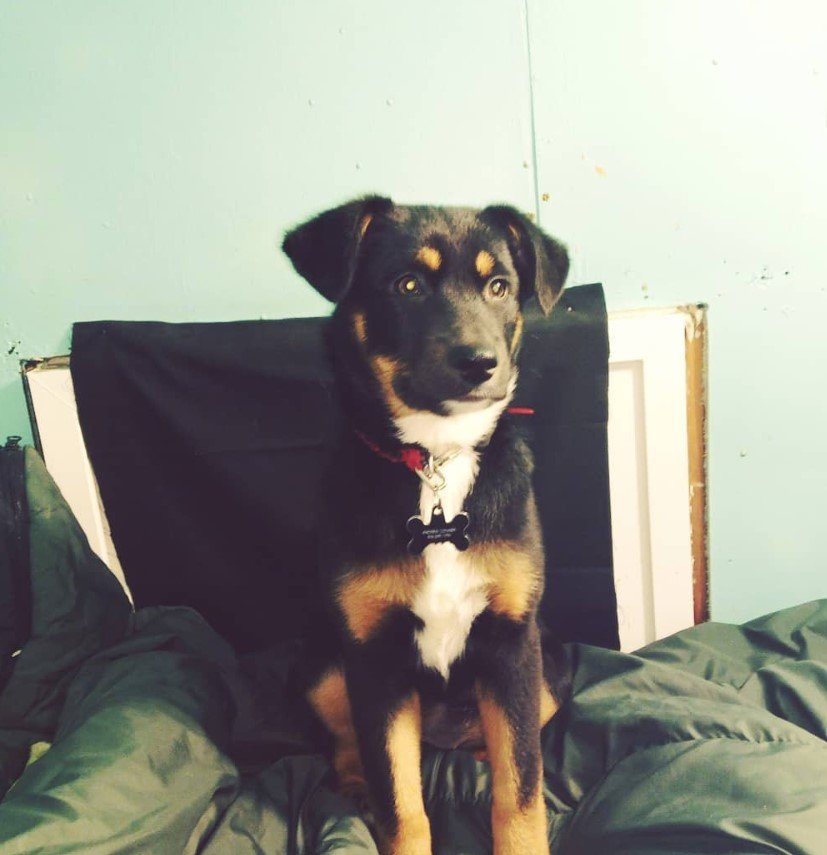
[(430, 298)]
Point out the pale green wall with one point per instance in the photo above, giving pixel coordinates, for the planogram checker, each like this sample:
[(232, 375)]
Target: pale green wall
[(683, 146), (152, 153)]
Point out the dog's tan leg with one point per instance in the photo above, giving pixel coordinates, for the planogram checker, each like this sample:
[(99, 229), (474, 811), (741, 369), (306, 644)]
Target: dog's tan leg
[(408, 832), (329, 699), (518, 814), (511, 700), (412, 835)]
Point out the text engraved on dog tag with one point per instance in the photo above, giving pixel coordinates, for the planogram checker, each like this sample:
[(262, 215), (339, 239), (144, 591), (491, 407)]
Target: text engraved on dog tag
[(438, 531)]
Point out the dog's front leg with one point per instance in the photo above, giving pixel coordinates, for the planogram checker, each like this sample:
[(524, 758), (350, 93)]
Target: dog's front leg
[(509, 687), (388, 722)]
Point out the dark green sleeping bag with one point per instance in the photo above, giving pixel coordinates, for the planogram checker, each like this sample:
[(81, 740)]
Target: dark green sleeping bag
[(711, 741)]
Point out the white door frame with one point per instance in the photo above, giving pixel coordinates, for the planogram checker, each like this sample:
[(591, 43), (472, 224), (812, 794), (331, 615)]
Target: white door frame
[(649, 472)]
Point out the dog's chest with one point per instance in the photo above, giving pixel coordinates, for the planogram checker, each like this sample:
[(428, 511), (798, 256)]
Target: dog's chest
[(452, 592)]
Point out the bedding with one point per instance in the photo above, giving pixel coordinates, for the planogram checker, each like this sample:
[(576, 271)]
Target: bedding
[(152, 735)]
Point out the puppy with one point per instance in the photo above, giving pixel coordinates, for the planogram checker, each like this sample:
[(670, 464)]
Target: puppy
[(430, 547)]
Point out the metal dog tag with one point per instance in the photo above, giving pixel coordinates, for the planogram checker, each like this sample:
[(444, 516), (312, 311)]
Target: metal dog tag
[(438, 531)]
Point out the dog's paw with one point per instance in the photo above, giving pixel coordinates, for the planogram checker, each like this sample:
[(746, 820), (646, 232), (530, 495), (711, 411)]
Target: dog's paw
[(355, 790), (350, 780)]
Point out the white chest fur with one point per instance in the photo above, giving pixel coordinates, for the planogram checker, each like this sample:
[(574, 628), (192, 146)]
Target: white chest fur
[(452, 593)]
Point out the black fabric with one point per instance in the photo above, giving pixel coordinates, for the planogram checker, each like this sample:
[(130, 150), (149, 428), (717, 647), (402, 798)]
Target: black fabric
[(564, 377), (15, 589), (208, 441)]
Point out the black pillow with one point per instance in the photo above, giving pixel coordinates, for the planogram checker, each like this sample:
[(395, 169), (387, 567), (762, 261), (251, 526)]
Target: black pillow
[(208, 441)]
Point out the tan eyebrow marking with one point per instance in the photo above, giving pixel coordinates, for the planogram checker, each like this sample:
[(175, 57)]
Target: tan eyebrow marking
[(430, 256), (484, 263)]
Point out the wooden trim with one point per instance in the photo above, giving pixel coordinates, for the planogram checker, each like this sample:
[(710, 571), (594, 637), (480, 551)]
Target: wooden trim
[(696, 412)]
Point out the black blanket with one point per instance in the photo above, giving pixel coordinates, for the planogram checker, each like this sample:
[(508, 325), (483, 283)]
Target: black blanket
[(208, 441)]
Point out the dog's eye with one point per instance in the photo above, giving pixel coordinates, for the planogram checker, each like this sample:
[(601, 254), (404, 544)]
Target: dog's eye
[(498, 288), (409, 286)]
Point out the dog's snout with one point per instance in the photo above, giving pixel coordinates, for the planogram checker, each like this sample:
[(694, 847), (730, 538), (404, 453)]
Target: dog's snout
[(475, 364)]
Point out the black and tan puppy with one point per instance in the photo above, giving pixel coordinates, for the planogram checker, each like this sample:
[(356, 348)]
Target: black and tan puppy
[(430, 548)]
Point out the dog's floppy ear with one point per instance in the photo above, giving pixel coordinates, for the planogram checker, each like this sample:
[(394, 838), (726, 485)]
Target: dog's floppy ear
[(323, 249), (542, 263)]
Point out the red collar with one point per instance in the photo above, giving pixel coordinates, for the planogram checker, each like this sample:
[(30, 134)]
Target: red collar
[(414, 456)]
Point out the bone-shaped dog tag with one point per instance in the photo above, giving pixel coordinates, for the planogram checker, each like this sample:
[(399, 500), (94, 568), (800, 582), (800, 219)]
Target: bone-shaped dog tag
[(438, 531)]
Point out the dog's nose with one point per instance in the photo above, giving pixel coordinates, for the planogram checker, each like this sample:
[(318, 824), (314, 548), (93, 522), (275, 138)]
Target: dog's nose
[(475, 364)]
